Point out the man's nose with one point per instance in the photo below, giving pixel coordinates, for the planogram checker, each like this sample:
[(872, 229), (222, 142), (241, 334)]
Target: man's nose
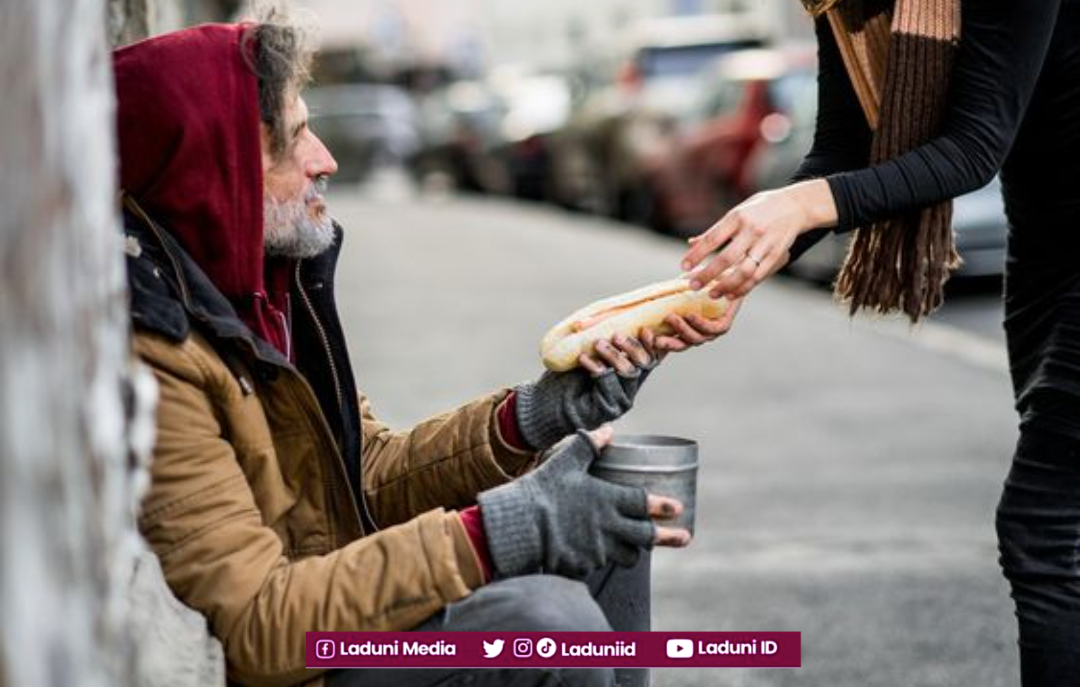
[(322, 161)]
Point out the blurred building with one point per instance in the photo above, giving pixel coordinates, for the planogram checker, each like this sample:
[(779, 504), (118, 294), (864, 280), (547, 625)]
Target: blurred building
[(470, 34), (557, 32)]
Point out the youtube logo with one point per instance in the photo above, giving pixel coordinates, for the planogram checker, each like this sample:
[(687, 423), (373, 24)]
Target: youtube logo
[(680, 648)]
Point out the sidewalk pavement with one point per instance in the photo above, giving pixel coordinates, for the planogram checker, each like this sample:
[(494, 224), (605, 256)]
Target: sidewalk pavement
[(849, 470)]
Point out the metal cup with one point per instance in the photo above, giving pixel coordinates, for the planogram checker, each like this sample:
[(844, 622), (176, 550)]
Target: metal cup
[(665, 466)]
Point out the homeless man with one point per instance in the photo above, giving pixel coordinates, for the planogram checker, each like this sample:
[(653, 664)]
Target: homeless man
[(279, 503)]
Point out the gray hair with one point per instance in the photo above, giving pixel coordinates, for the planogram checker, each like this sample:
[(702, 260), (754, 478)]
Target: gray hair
[(281, 59)]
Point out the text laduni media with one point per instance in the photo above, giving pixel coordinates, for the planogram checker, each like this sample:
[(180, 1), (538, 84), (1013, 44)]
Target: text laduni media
[(397, 648)]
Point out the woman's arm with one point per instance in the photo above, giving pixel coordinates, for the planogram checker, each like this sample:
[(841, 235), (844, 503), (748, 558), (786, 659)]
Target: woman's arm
[(1003, 46), (1002, 51), (842, 136)]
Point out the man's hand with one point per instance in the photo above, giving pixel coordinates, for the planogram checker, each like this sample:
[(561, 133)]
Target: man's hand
[(623, 354), (563, 520), (601, 390), (660, 507), (694, 331)]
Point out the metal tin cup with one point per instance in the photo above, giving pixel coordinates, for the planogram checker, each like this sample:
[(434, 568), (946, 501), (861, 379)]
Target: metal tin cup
[(665, 466)]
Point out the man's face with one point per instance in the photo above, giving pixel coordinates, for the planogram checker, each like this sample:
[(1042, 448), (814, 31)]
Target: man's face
[(296, 223)]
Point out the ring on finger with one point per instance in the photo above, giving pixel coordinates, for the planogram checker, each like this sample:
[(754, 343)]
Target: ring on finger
[(756, 260)]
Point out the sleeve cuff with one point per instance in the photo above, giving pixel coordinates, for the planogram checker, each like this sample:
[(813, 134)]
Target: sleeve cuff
[(838, 184), (513, 540), (508, 424), (511, 451), (474, 527), (471, 565)]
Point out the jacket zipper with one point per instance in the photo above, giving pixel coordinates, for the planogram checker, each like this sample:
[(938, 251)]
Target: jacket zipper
[(340, 398), (184, 295), (288, 334)]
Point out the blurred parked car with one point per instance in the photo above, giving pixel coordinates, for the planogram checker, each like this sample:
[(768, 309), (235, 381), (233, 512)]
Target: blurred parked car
[(703, 169), (459, 125), (978, 217), (536, 106), (597, 157), (363, 125)]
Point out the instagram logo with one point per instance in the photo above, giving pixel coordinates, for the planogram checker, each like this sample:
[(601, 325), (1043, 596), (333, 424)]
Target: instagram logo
[(523, 647), (680, 648), (324, 649)]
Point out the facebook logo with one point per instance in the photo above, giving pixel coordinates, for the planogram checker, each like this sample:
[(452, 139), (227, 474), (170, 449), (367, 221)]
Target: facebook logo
[(325, 649)]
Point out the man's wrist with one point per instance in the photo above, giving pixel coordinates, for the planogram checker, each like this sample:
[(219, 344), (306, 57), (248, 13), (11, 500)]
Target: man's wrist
[(513, 541), (537, 418)]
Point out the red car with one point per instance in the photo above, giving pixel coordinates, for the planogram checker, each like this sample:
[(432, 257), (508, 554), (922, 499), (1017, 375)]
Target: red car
[(705, 166)]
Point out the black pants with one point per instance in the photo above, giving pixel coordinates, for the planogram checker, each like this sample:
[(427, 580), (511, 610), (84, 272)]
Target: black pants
[(1038, 523)]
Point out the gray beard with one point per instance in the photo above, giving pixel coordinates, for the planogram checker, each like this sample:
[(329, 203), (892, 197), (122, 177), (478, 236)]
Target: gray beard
[(290, 232)]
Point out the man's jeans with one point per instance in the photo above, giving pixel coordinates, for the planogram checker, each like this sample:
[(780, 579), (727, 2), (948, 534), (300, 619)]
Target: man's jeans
[(534, 603), (1038, 524)]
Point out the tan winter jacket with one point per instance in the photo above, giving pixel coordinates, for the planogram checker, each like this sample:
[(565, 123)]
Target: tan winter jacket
[(250, 509)]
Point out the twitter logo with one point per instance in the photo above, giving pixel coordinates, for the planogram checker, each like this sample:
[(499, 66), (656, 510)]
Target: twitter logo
[(493, 649)]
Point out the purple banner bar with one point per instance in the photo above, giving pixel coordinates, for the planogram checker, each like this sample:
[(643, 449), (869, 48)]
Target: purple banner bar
[(554, 649)]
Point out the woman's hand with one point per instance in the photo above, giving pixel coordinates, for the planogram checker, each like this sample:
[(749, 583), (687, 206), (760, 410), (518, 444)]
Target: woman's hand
[(754, 239), (693, 330)]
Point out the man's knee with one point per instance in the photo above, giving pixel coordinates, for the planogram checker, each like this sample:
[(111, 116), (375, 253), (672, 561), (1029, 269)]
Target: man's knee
[(548, 603)]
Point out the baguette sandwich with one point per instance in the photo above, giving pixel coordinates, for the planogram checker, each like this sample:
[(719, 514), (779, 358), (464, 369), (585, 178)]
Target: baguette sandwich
[(628, 314)]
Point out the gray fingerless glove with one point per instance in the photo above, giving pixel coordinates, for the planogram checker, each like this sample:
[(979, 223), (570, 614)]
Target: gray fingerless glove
[(561, 519), (560, 403)]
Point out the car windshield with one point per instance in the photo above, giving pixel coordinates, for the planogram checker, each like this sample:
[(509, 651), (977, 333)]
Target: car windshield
[(684, 60), (716, 97), (790, 91)]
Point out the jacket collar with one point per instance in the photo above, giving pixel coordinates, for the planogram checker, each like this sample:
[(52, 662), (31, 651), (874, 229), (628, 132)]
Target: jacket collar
[(170, 292)]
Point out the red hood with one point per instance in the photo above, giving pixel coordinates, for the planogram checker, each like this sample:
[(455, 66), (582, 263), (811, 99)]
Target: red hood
[(190, 154)]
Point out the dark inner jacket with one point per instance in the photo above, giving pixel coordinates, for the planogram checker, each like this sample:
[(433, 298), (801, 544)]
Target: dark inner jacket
[(170, 294)]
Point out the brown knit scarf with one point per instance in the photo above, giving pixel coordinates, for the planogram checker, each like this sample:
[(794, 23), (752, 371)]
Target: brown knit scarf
[(899, 56)]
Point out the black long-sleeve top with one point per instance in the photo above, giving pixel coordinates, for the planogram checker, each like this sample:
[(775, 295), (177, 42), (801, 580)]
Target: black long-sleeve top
[(1014, 105)]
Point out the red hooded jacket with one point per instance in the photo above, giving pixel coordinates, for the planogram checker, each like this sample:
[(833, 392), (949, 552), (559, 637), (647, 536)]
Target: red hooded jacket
[(190, 155)]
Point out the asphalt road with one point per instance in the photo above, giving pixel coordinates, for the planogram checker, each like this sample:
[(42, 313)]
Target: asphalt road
[(850, 469)]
